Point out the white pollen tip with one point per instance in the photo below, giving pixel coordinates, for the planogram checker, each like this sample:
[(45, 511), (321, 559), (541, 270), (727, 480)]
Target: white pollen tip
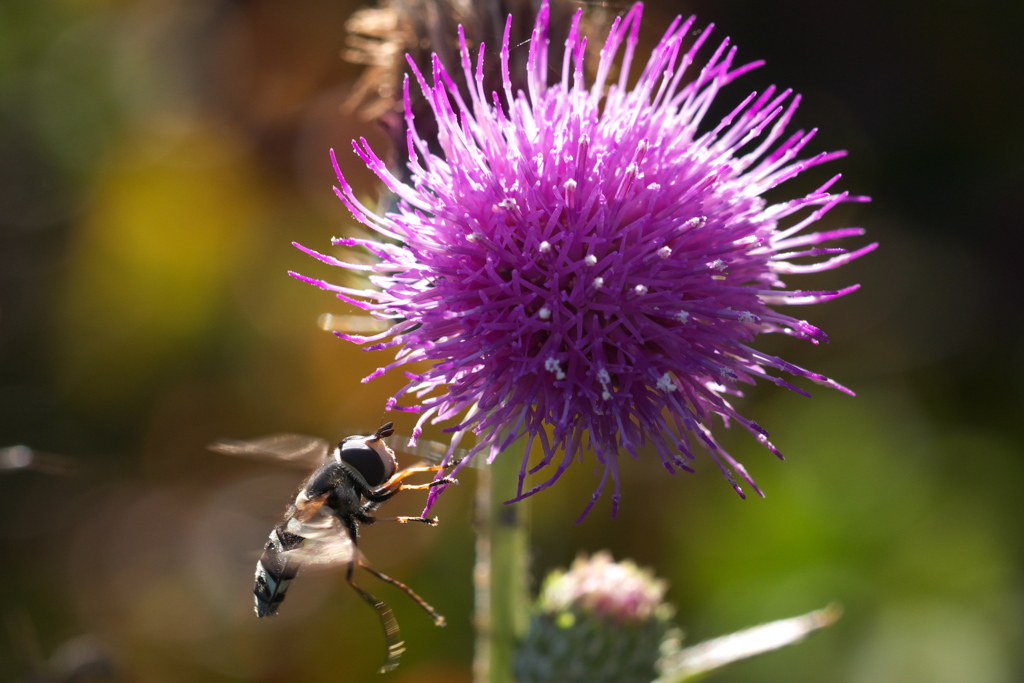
[(718, 264), (640, 290), (606, 395), (590, 260), (569, 184), (665, 383), (473, 237), (665, 252), (603, 377), (552, 365), (683, 316), (545, 247), (544, 313), (747, 317), (599, 282)]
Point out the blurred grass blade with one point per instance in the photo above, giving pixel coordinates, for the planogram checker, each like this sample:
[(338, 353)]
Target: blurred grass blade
[(688, 663)]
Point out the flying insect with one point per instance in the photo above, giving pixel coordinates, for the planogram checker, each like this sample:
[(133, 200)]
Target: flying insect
[(321, 526)]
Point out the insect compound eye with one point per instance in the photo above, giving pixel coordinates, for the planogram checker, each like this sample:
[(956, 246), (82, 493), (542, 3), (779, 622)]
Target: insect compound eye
[(373, 461)]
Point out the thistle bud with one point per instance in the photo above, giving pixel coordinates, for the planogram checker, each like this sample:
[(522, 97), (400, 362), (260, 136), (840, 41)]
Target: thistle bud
[(599, 621)]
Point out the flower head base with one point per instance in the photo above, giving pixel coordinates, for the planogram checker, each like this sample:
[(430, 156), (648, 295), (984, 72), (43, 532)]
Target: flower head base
[(585, 259)]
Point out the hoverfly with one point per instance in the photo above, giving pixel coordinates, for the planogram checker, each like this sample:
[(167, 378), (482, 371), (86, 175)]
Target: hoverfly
[(321, 526)]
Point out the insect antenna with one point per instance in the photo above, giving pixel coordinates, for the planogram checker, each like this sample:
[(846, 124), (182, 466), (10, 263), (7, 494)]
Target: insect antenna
[(385, 430)]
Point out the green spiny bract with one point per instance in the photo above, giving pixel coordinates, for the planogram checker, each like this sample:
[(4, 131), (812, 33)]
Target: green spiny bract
[(601, 621)]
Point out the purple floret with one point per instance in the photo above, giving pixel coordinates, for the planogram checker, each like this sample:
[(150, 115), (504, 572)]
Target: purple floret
[(582, 265)]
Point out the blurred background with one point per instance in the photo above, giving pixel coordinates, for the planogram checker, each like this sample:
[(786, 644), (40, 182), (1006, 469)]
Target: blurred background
[(157, 158)]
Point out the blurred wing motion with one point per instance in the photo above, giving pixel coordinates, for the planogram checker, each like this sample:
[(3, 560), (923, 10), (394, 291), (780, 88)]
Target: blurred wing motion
[(434, 451), (293, 449), (327, 545), (309, 452), (320, 542)]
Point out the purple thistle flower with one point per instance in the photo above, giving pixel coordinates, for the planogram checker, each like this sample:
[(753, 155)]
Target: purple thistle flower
[(583, 266)]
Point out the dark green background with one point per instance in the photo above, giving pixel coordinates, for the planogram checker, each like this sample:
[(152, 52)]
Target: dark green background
[(156, 160)]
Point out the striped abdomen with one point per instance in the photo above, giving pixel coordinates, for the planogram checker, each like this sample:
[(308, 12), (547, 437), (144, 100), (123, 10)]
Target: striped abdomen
[(274, 572)]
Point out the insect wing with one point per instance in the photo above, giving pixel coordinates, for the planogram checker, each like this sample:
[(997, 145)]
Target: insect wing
[(294, 449), (327, 543), (310, 451), (435, 451)]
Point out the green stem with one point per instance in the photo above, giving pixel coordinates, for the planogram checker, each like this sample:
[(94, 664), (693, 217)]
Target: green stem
[(501, 575)]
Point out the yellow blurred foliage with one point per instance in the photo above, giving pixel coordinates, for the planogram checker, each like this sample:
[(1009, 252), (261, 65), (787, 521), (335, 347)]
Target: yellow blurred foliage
[(170, 222)]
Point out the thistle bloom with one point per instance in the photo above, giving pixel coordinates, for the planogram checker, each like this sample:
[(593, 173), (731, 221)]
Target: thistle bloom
[(583, 265)]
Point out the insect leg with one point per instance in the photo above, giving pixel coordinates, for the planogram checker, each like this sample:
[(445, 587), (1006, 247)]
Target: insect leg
[(438, 619), (432, 521), (394, 485), (429, 485), (395, 645), (409, 471)]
